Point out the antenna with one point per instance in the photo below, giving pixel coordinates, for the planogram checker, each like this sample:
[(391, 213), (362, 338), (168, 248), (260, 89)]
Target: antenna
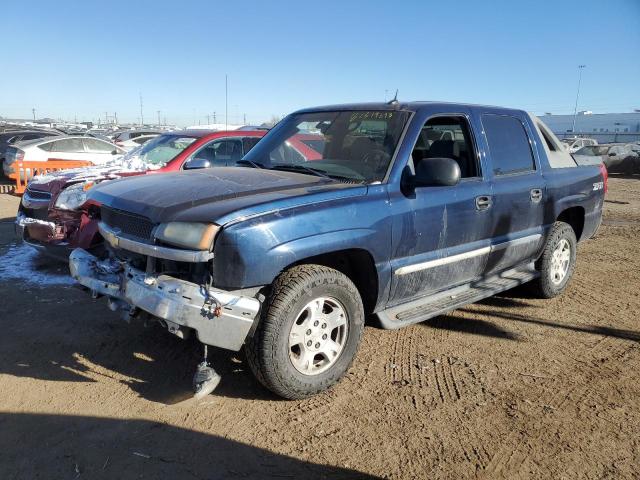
[(394, 100)]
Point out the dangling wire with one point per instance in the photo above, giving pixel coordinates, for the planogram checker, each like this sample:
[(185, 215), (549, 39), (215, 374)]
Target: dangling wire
[(212, 307)]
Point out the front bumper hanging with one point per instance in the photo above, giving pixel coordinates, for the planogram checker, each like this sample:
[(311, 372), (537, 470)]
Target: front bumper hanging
[(177, 302)]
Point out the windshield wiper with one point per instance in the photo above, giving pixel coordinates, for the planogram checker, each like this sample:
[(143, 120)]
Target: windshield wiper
[(250, 162), (300, 168), (313, 171)]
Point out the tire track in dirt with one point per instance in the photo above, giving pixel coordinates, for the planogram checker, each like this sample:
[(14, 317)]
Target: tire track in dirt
[(429, 382), (512, 453)]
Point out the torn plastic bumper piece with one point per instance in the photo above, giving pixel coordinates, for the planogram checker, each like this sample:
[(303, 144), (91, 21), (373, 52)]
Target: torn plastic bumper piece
[(177, 302), (40, 228)]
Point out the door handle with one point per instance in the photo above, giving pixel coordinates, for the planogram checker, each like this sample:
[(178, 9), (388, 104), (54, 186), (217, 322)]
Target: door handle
[(535, 195), (483, 202)]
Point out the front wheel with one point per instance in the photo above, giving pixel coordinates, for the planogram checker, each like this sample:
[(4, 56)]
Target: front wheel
[(309, 332), (557, 262)]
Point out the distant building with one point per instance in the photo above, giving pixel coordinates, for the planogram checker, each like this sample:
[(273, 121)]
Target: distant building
[(605, 127)]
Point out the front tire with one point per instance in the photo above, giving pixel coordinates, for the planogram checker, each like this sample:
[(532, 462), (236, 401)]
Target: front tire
[(309, 332), (557, 262)]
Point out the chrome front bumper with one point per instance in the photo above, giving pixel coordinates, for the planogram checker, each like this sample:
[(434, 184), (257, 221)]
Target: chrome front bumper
[(177, 302)]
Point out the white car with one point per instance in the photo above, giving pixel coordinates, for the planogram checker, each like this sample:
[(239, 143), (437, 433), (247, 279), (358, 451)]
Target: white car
[(132, 143), (575, 144), (89, 149)]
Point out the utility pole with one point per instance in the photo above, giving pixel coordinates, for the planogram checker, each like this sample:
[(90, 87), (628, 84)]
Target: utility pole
[(141, 116), (214, 117), (244, 116), (208, 122), (226, 103), (115, 118), (33, 110), (575, 109), (159, 123)]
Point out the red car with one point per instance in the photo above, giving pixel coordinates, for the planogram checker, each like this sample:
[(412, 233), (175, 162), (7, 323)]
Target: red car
[(50, 216)]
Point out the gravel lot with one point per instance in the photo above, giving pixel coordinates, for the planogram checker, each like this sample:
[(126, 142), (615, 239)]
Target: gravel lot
[(512, 387)]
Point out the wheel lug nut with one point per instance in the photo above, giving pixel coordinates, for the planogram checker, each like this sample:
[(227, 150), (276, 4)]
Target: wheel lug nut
[(309, 332), (315, 324), (318, 345), (309, 343), (324, 337), (324, 325)]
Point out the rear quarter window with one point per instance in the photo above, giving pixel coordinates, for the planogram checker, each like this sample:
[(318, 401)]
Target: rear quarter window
[(508, 144), (46, 146)]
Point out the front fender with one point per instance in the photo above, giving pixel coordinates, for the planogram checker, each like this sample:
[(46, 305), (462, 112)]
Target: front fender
[(255, 251)]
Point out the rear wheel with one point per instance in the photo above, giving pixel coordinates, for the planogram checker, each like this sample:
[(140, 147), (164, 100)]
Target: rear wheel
[(557, 262), (309, 332)]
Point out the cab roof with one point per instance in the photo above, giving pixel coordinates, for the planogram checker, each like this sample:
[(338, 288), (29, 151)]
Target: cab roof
[(413, 106)]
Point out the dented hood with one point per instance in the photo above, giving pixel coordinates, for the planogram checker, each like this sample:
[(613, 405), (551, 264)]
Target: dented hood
[(211, 195)]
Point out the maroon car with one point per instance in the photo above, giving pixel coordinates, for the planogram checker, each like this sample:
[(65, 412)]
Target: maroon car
[(50, 217)]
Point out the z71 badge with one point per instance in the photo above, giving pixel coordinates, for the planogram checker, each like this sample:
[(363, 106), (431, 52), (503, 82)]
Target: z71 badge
[(598, 186)]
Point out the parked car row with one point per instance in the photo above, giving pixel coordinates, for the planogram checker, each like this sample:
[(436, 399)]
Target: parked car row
[(617, 157), (43, 145), (283, 242)]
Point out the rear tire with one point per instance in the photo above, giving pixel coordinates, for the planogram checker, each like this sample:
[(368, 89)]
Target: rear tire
[(309, 332), (557, 262)]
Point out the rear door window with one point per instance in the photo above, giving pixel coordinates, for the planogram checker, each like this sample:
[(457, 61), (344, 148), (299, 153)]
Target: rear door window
[(68, 145), (508, 144), (248, 143)]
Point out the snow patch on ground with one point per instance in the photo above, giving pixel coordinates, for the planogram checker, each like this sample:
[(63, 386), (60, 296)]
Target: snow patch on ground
[(23, 263)]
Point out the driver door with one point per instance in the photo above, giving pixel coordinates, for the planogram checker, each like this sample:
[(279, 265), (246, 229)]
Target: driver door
[(441, 235)]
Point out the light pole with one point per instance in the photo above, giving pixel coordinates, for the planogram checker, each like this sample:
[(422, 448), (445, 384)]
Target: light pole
[(575, 109), (226, 103), (141, 114), (159, 122)]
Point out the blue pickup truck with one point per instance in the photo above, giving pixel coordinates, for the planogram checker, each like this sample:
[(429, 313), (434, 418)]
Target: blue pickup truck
[(403, 212)]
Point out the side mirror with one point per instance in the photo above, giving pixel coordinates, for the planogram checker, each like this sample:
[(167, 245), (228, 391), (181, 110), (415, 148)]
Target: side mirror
[(436, 172), (197, 162)]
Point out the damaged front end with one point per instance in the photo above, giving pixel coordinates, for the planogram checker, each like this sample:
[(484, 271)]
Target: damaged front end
[(168, 284), (41, 224)]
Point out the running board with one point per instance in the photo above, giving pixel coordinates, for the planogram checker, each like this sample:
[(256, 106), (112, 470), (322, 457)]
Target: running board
[(433, 305)]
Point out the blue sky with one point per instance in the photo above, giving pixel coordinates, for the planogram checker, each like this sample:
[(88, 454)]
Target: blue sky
[(81, 59)]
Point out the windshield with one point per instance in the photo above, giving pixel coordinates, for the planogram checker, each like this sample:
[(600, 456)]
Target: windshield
[(160, 150), (348, 145)]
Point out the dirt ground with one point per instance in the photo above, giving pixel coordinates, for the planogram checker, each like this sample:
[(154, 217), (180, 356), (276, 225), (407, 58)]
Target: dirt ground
[(512, 387)]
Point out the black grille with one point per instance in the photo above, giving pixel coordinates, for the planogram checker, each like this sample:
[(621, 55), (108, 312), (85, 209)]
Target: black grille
[(127, 223), (37, 213), (38, 195)]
